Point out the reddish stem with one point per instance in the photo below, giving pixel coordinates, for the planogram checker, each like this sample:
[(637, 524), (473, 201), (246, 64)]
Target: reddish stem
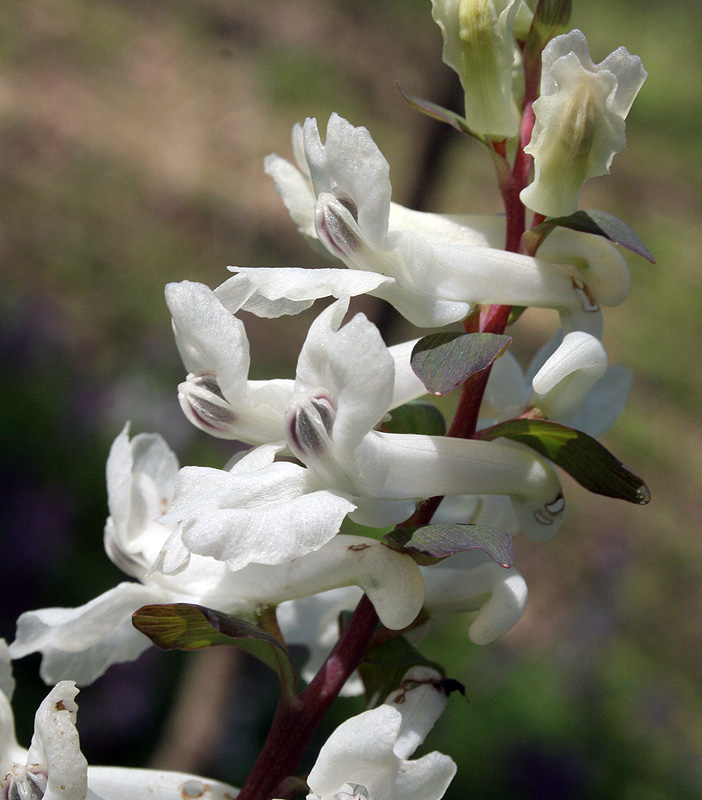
[(296, 720), (492, 319), (294, 725)]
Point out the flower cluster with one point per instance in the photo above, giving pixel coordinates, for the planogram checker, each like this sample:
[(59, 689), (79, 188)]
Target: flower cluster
[(329, 460)]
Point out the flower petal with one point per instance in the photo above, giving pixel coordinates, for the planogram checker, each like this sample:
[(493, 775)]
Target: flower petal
[(121, 783), (351, 166), (209, 338), (566, 378), (55, 746), (10, 751), (407, 384), (83, 642), (424, 466), (474, 582), (363, 374), (296, 192), (268, 516), (427, 778), (421, 699), (275, 291), (360, 751), (392, 580), (579, 120)]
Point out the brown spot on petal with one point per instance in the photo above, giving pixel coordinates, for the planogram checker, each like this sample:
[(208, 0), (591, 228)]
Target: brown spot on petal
[(587, 301), (60, 706), (357, 547)]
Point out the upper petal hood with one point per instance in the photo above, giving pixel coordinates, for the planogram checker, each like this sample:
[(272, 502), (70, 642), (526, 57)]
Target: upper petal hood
[(350, 166)]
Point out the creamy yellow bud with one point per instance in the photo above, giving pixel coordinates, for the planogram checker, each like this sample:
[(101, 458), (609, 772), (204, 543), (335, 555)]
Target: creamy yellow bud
[(479, 45), (579, 120)]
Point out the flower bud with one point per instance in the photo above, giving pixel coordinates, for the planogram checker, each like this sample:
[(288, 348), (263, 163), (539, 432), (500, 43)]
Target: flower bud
[(479, 45), (579, 120)]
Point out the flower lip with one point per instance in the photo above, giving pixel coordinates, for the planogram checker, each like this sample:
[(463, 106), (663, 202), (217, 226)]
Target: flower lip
[(23, 784), (204, 404), (336, 221), (310, 424)]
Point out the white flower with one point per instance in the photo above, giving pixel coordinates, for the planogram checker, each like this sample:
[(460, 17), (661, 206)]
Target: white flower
[(81, 643), (465, 582), (568, 380), (54, 768), (472, 581), (267, 512), (432, 269), (368, 755), (479, 45), (121, 783), (259, 511), (344, 381), (217, 395), (579, 120)]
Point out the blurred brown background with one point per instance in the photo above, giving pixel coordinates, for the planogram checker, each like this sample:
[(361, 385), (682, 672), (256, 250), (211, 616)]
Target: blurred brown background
[(131, 140)]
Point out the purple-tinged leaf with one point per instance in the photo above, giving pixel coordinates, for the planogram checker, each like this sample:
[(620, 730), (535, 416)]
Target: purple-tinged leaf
[(182, 626), (443, 361), (437, 541), (417, 416), (601, 224), (581, 456)]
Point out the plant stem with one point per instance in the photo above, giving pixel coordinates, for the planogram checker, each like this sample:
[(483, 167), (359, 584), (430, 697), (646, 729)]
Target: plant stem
[(294, 726), (297, 719)]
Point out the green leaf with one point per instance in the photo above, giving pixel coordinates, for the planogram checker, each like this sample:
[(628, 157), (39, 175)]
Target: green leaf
[(440, 540), (182, 626), (459, 123), (417, 416), (515, 313), (550, 18), (443, 361), (384, 667), (581, 456), (601, 224), (437, 112)]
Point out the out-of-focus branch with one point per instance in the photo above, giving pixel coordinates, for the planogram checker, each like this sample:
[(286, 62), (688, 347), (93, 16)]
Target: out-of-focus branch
[(194, 724)]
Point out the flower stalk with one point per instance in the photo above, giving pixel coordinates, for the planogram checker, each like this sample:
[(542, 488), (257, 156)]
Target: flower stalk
[(294, 725)]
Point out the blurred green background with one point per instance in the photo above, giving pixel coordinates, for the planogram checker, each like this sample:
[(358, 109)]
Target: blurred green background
[(131, 140)]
